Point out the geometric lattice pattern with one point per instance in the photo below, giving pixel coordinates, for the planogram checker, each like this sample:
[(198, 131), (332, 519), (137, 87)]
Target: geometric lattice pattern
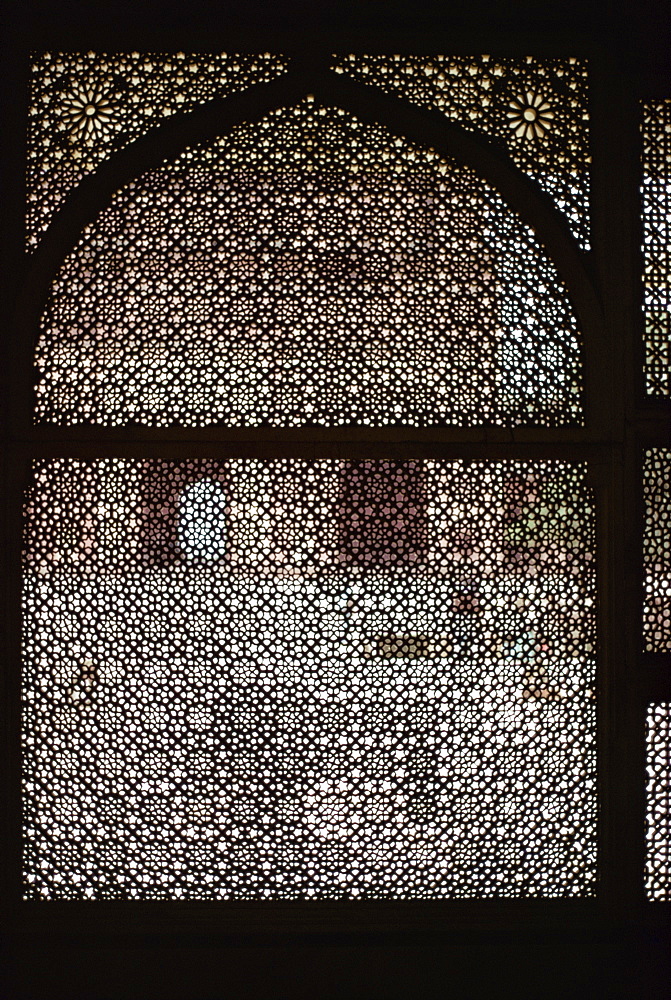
[(84, 106), (290, 680), (657, 550), (535, 110), (658, 815), (309, 269), (656, 210)]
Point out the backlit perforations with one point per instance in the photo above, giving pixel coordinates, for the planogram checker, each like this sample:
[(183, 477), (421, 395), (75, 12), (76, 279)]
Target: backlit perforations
[(657, 550), (656, 207), (83, 106), (535, 109), (658, 816), (309, 269), (290, 679)]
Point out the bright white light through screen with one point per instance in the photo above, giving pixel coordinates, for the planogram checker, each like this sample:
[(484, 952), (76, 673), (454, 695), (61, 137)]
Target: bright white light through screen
[(383, 690), (202, 522)]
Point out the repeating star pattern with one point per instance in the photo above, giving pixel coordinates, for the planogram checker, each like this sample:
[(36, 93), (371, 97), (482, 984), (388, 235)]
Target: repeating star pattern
[(309, 269), (291, 680), (481, 92), (84, 106)]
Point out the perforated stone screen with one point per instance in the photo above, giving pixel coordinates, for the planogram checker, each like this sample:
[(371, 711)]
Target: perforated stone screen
[(658, 826), (84, 106), (309, 269), (656, 209), (657, 550), (533, 109), (289, 679)]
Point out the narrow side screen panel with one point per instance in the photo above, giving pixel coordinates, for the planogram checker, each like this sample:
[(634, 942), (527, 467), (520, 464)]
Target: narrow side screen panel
[(656, 209), (657, 550), (308, 680), (658, 814)]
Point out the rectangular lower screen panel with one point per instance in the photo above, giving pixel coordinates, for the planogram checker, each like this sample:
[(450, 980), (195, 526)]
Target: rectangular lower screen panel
[(309, 680)]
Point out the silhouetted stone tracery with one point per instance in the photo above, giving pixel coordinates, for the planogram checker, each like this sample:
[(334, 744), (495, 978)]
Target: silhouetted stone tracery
[(657, 550), (85, 106), (309, 269), (656, 216), (658, 825), (535, 109), (287, 679)]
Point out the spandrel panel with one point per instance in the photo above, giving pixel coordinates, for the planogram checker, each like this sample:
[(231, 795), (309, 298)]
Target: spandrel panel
[(658, 813), (535, 109), (309, 269), (85, 106), (656, 216), (657, 550), (295, 680)]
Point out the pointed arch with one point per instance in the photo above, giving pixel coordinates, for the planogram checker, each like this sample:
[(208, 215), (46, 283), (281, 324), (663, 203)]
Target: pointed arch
[(425, 129)]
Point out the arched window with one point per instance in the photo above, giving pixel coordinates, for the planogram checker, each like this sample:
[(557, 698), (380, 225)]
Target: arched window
[(312, 269), (328, 441)]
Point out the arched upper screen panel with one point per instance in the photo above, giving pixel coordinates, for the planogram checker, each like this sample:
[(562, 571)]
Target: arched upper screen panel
[(309, 269)]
